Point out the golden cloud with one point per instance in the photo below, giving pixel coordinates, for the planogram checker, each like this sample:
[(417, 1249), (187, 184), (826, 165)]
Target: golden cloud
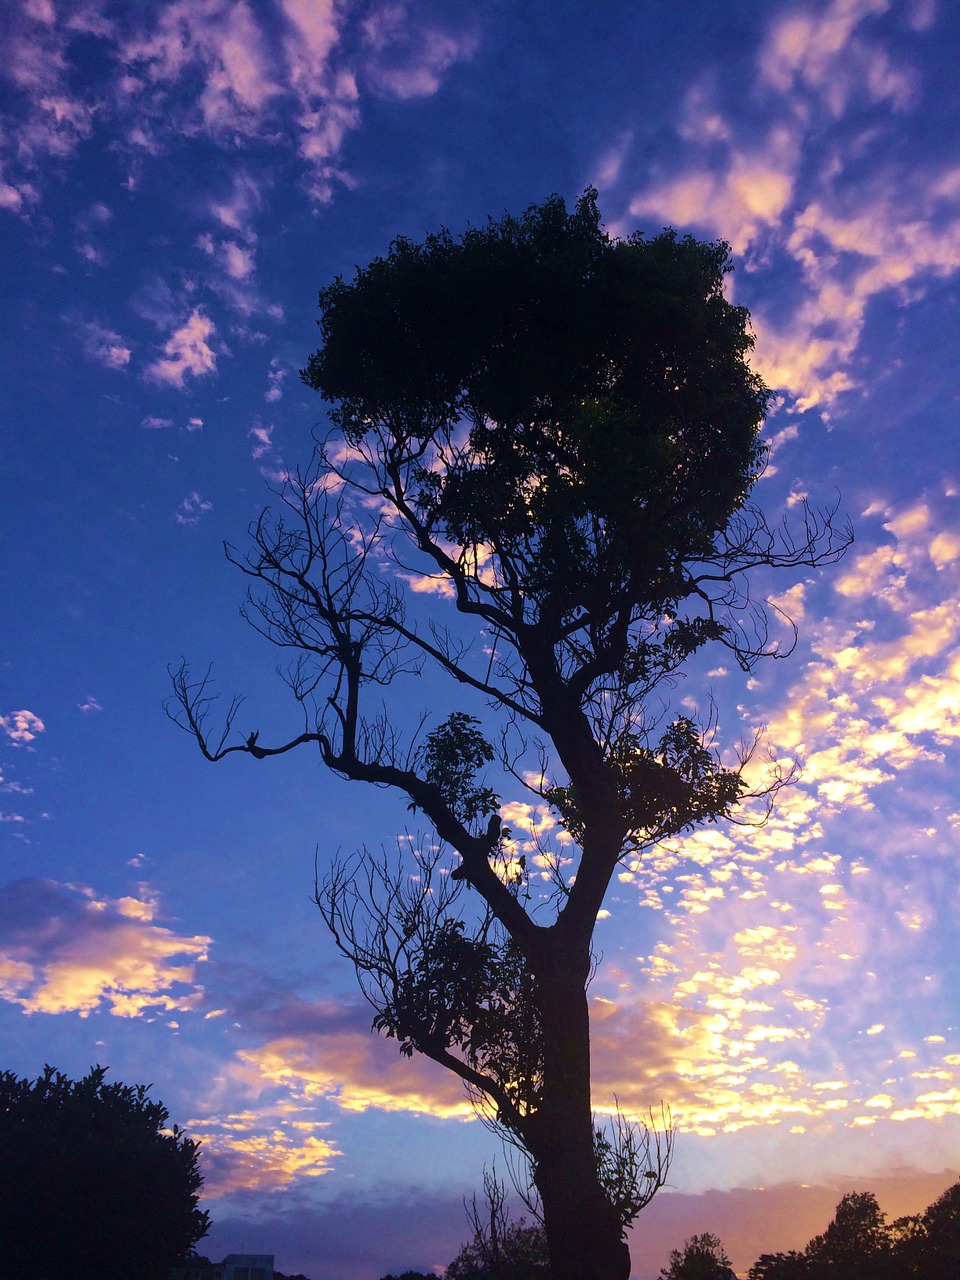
[(262, 1150), (64, 949), (358, 1071)]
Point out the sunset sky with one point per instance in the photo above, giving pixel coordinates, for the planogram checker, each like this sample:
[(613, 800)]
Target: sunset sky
[(177, 182)]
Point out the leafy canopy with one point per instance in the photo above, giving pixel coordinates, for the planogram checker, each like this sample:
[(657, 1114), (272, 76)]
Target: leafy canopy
[(612, 416), (92, 1183)]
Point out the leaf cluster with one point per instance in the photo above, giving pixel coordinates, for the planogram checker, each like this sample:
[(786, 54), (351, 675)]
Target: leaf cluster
[(475, 993), (520, 1253), (452, 755), (661, 790)]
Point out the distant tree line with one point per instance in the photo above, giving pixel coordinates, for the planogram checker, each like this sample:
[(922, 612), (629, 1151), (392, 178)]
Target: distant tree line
[(858, 1244)]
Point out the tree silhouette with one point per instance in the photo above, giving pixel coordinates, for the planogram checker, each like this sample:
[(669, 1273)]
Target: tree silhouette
[(940, 1237), (859, 1244), (702, 1257), (856, 1244), (551, 435), (520, 1253), (92, 1184), (780, 1266), (500, 1249)]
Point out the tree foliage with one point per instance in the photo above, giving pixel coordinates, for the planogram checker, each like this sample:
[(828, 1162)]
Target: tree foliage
[(92, 1183), (859, 1244), (520, 1254), (552, 435), (702, 1257), (500, 1249)]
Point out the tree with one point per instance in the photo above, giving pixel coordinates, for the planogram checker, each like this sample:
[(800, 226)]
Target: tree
[(552, 435), (941, 1232), (856, 1244), (780, 1266), (91, 1182), (928, 1246), (519, 1254), (500, 1249), (703, 1257)]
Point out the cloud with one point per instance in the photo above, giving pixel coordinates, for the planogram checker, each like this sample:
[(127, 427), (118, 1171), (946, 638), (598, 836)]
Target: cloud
[(186, 351), (415, 66), (362, 1232), (12, 787), (21, 727), (276, 375), (66, 949), (823, 54), (237, 261), (104, 346), (773, 957), (235, 212), (224, 43), (739, 202), (262, 439), (263, 1150), (837, 231), (153, 423), (234, 74), (358, 1071), (192, 508), (89, 704)]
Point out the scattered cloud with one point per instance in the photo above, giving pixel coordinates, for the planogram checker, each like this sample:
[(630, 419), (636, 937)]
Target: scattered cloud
[(775, 952), (854, 233), (276, 376), (186, 351), (66, 949), (12, 787), (90, 703), (21, 727), (261, 437), (284, 75), (105, 347), (825, 55), (237, 261), (192, 508), (262, 1150), (411, 63), (358, 1071)]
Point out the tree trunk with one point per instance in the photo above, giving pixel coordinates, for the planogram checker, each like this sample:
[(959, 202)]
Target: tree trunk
[(583, 1230)]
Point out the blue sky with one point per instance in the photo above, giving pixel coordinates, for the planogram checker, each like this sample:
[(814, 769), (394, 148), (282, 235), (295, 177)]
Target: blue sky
[(177, 181)]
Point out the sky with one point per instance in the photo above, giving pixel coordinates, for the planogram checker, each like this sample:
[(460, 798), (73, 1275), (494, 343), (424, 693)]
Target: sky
[(177, 182)]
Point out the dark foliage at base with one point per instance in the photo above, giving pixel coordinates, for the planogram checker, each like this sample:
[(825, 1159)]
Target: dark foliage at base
[(92, 1185)]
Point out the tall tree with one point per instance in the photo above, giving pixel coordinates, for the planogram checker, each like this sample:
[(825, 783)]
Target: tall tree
[(92, 1183), (551, 435)]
